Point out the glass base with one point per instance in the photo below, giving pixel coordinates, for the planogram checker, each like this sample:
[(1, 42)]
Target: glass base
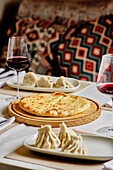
[(10, 99), (106, 131)]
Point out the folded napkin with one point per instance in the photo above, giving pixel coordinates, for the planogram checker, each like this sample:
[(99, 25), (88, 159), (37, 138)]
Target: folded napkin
[(4, 73), (14, 137), (108, 165), (7, 75), (1, 70), (7, 123)]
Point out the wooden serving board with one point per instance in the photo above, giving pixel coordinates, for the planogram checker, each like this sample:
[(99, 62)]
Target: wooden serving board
[(85, 117)]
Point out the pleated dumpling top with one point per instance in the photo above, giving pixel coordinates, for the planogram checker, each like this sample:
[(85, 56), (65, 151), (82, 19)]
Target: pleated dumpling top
[(62, 82), (65, 134), (47, 139), (44, 82), (75, 145)]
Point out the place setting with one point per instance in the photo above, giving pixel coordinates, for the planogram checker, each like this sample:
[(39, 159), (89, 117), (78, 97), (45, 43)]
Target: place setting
[(53, 111)]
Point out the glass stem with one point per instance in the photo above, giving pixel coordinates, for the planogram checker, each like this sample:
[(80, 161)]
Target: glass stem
[(112, 115), (17, 84)]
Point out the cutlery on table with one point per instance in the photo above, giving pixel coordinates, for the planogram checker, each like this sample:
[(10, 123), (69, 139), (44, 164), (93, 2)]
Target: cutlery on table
[(5, 75), (2, 121), (2, 71), (5, 123), (11, 74)]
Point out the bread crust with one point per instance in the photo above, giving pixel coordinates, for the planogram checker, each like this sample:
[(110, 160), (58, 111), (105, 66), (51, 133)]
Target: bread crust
[(54, 104)]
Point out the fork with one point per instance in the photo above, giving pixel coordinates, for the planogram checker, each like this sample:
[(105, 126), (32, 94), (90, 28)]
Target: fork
[(11, 74), (7, 121), (3, 121)]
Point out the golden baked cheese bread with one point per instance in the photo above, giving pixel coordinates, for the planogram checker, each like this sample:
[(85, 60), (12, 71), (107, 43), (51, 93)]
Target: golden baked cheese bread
[(54, 104)]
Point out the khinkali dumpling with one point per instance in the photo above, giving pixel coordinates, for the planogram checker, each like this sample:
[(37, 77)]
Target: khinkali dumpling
[(44, 82), (63, 83), (46, 139), (65, 134), (75, 146), (29, 79)]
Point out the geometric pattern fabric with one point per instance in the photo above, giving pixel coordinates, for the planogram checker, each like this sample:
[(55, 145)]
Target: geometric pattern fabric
[(51, 53), (80, 56), (39, 34)]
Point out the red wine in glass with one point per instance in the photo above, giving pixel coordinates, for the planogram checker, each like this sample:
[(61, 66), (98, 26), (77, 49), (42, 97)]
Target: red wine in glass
[(106, 88), (17, 57), (18, 63)]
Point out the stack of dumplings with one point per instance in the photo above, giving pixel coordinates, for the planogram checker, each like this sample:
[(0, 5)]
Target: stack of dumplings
[(31, 79), (67, 140)]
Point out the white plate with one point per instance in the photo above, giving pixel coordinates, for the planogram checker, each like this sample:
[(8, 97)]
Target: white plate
[(99, 148), (13, 83)]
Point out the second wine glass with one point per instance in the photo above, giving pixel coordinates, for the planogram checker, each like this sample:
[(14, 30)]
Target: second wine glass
[(17, 56), (105, 86)]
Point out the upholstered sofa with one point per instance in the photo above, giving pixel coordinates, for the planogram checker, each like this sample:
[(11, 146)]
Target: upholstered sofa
[(64, 37)]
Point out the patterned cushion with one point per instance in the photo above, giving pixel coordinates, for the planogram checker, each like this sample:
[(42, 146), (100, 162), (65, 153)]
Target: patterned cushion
[(37, 32), (17, 28), (80, 56), (42, 37), (37, 39)]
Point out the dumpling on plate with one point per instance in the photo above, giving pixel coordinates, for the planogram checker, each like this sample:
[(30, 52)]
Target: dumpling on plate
[(63, 83), (45, 82), (47, 139), (65, 134), (75, 145), (29, 79)]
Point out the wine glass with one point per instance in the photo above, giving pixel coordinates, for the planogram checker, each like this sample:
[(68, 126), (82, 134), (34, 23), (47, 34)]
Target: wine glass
[(17, 57), (105, 86)]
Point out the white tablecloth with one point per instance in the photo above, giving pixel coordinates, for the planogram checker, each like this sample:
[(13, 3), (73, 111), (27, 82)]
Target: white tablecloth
[(13, 138)]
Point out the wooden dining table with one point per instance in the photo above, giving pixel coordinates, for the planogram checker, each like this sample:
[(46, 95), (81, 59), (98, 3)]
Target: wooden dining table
[(14, 155)]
